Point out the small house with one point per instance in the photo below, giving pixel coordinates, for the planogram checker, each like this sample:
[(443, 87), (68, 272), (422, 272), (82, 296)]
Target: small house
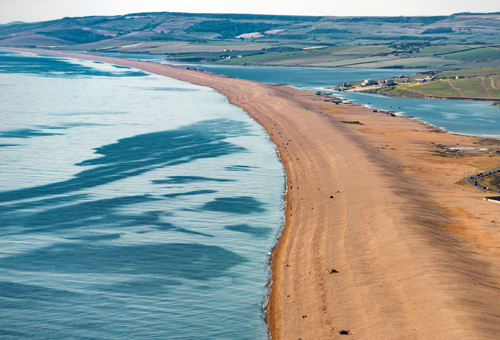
[(369, 82), (387, 82)]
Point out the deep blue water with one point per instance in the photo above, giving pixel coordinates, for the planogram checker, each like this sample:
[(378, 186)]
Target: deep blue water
[(132, 206)]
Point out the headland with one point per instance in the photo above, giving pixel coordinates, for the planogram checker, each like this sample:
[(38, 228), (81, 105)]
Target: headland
[(379, 237)]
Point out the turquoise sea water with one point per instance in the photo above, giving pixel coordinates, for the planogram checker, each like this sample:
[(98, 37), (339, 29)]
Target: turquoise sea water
[(132, 206)]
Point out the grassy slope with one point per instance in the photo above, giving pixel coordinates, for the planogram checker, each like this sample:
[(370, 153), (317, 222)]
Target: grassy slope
[(471, 73), (481, 53), (386, 62), (492, 181), (485, 87), (372, 42)]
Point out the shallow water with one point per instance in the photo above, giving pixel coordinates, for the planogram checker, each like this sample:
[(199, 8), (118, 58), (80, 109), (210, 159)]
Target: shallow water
[(132, 206), (464, 117)]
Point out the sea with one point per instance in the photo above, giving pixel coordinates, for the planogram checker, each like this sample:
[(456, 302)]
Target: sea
[(132, 206), (135, 206)]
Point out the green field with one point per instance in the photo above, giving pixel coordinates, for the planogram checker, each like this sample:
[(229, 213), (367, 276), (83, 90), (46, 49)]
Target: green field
[(465, 41), (357, 50), (423, 62), (487, 88), (260, 57), (478, 72), (350, 62), (441, 50), (387, 62), (482, 53)]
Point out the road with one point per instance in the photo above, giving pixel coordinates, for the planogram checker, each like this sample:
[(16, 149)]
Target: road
[(473, 180)]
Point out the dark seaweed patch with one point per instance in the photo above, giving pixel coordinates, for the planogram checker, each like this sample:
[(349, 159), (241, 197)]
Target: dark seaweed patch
[(235, 205), (239, 168), (189, 179), (137, 155), (190, 193), (175, 260), (245, 228), (26, 133), (63, 205)]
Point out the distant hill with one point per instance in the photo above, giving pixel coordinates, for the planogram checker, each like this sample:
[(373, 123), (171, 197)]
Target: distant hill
[(13, 23), (246, 39)]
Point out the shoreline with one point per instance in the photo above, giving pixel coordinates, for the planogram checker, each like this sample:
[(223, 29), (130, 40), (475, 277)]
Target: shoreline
[(401, 114), (406, 265), (424, 97), (435, 98)]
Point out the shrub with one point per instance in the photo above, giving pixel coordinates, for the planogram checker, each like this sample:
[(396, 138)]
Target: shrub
[(76, 35), (438, 30)]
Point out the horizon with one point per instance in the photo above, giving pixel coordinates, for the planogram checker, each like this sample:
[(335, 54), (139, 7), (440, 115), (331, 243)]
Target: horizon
[(30, 11), (263, 14)]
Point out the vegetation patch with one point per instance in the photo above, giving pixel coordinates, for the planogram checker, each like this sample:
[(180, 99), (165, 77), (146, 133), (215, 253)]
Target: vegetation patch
[(228, 29), (77, 36), (492, 181), (351, 122), (332, 109), (441, 50), (163, 37), (400, 37), (399, 91), (466, 88), (399, 20), (466, 41), (328, 31), (476, 72), (476, 54), (358, 50), (438, 30), (394, 62)]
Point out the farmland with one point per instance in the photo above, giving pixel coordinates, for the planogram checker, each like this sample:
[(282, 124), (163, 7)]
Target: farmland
[(481, 83), (459, 41)]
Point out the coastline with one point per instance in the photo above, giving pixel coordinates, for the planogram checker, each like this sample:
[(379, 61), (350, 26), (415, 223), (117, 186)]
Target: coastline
[(408, 267), (435, 98), (421, 97)]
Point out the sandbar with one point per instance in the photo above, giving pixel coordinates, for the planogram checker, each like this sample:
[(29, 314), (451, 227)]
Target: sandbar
[(380, 237)]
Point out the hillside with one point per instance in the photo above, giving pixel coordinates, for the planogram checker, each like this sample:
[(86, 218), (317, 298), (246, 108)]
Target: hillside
[(465, 40), (479, 84)]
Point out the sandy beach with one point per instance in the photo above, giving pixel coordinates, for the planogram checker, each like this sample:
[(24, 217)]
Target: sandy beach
[(379, 237)]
